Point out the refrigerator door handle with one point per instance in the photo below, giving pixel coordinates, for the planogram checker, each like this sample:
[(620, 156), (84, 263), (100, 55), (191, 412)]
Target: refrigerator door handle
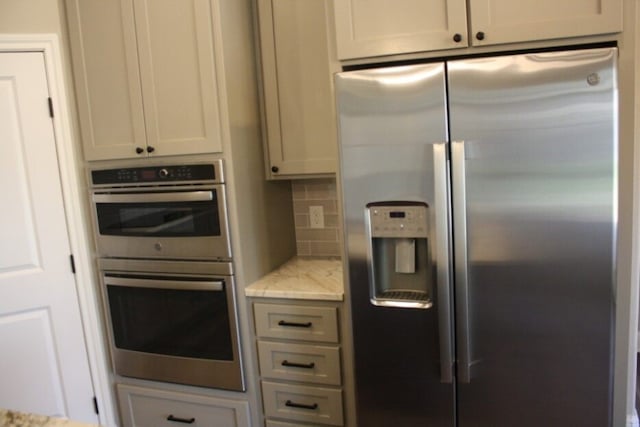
[(463, 347), (443, 264)]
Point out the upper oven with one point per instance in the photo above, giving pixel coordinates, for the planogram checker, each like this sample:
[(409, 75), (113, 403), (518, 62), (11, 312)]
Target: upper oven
[(162, 212)]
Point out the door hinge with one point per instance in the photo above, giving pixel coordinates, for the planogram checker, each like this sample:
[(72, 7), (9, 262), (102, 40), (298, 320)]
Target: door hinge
[(73, 264), (50, 101), (95, 405)]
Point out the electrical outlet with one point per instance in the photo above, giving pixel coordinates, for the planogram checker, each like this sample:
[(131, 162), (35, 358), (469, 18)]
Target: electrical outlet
[(316, 217)]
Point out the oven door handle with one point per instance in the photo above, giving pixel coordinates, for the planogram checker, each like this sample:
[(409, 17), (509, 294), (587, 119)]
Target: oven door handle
[(161, 283), (187, 196)]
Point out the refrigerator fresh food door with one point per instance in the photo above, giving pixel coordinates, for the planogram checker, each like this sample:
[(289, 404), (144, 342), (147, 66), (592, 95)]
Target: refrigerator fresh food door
[(394, 173), (534, 205)]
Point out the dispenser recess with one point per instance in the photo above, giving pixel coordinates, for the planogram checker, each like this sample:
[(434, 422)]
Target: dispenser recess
[(400, 269)]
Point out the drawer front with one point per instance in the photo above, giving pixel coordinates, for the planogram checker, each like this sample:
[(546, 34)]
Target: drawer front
[(142, 407), (299, 403), (293, 322), (271, 423), (300, 362)]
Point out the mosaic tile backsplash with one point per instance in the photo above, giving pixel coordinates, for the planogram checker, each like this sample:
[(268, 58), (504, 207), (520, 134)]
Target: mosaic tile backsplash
[(319, 242)]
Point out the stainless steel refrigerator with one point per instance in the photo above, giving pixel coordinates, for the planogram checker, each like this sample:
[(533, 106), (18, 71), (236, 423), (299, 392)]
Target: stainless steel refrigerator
[(480, 201)]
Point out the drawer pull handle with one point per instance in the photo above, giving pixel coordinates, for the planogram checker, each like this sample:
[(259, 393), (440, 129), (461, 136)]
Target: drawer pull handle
[(300, 405), (181, 420), (295, 324), (298, 365)]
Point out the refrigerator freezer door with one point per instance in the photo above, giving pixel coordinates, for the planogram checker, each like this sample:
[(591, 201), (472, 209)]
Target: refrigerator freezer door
[(539, 157), (393, 131)]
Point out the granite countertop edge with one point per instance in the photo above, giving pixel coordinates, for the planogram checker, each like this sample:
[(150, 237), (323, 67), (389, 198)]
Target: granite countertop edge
[(302, 278), (11, 418)]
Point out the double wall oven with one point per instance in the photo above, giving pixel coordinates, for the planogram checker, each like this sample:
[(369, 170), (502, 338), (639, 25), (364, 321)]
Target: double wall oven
[(167, 274)]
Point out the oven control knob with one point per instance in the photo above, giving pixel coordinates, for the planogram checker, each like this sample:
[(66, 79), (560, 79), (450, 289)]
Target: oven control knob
[(158, 246), (163, 173)]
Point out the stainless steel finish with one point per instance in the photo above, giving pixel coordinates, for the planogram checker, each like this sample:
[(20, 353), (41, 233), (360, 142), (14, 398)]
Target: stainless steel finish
[(160, 161), (527, 229), (193, 248), (200, 263), (146, 197), (226, 374), (539, 190), (213, 285), (166, 266), (391, 133), (459, 199), (441, 193)]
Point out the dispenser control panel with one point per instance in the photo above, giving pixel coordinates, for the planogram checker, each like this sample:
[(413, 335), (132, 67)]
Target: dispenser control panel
[(398, 220)]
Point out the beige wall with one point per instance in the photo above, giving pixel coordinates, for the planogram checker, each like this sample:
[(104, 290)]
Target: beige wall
[(43, 16), (30, 16)]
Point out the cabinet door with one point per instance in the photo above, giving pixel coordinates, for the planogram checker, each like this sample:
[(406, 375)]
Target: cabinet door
[(298, 87), (105, 61), (178, 74), (381, 27), (506, 21), (146, 407)]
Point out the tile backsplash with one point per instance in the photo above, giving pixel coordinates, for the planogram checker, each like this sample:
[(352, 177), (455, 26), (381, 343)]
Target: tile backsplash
[(318, 242)]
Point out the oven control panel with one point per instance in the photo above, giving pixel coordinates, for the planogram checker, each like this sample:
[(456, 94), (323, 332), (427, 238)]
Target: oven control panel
[(206, 172)]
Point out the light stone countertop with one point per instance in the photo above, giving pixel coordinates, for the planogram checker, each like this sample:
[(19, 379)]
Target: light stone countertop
[(10, 418), (302, 278)]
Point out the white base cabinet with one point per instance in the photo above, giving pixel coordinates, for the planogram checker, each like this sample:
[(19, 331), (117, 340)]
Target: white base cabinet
[(145, 407), (299, 355)]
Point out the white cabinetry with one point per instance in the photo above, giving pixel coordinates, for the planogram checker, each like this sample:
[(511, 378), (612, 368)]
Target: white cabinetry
[(366, 28), (145, 76), (145, 407), (297, 65), (300, 365)]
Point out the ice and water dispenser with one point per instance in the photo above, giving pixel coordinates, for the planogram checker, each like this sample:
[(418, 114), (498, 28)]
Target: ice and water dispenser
[(400, 268)]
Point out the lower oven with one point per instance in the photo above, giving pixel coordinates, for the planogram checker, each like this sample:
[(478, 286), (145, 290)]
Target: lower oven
[(173, 321)]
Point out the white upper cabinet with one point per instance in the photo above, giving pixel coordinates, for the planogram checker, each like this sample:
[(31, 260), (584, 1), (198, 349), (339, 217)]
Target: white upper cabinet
[(145, 77), (297, 66), (368, 28), (382, 27), (507, 21)]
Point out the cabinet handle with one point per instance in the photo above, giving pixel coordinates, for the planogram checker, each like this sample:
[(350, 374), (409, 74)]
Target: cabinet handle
[(181, 420), (457, 38), (150, 149), (295, 324), (300, 405), (480, 35), (275, 169), (139, 150), (298, 365)]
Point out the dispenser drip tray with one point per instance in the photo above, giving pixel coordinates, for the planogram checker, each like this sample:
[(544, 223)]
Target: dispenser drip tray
[(403, 298)]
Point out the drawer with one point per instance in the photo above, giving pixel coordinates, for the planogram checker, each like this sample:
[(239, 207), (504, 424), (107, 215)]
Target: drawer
[(143, 407), (300, 403), (299, 362), (271, 423), (295, 322)]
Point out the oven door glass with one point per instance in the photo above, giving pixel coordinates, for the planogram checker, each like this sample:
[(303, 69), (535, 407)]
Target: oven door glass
[(170, 317), (132, 215)]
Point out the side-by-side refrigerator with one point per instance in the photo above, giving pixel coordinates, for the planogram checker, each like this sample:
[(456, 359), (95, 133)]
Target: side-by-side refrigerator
[(480, 206)]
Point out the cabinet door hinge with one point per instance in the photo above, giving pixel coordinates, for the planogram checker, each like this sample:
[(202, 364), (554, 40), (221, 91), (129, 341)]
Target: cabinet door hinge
[(50, 101), (73, 264), (95, 405)]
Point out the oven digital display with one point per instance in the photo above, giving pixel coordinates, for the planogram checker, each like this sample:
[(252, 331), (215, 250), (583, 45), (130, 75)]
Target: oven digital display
[(147, 174), (397, 214)]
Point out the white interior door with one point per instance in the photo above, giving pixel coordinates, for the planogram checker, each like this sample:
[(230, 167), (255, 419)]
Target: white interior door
[(43, 358)]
